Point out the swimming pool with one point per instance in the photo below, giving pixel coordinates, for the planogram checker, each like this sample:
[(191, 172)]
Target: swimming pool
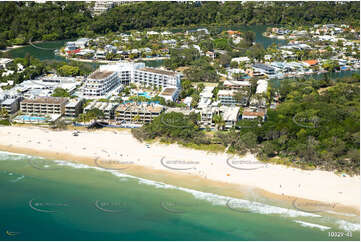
[(144, 94), (28, 118)]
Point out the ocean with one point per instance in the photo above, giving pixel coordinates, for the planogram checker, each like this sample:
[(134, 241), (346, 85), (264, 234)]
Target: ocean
[(56, 200)]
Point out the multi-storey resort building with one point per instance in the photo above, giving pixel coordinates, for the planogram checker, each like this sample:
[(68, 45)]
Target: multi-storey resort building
[(11, 105), (44, 106), (137, 113), (227, 97), (99, 83), (73, 108), (156, 77), (107, 108), (108, 77), (124, 69)]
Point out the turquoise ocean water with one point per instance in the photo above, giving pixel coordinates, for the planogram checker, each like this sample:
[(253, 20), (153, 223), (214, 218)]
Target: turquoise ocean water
[(56, 200)]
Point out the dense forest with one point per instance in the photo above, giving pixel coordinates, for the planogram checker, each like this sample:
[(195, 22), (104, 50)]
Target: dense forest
[(23, 21), (316, 125)]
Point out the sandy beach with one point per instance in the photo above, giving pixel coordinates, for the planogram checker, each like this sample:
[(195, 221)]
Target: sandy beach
[(119, 150)]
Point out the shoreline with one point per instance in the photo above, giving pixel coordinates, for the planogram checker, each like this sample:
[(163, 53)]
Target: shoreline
[(208, 175)]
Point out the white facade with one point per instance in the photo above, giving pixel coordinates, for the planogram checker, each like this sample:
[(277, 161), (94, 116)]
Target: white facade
[(262, 86), (139, 74), (100, 83), (157, 77)]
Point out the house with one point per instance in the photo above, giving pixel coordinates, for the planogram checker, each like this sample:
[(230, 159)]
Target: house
[(262, 86), (237, 85), (309, 63), (230, 116), (254, 113), (211, 54), (231, 32), (239, 60), (110, 49), (4, 62), (188, 101), (82, 43), (264, 69), (205, 97), (69, 46), (100, 54), (152, 33)]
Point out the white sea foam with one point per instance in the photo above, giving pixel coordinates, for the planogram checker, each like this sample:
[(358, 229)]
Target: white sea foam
[(342, 214), (311, 225), (342, 224), (18, 179), (219, 200), (254, 207), (4, 155)]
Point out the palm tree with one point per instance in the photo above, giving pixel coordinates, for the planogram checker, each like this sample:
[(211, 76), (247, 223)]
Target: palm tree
[(218, 120), (3, 113), (136, 118)]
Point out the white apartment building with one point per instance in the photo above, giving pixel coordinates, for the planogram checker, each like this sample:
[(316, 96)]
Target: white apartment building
[(100, 83), (107, 108), (44, 105), (73, 107), (11, 105), (102, 6), (227, 97), (205, 97), (137, 113), (156, 77), (124, 69), (130, 72)]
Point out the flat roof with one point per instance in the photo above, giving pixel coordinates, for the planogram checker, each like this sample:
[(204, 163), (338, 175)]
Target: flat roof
[(158, 71), (236, 83), (5, 60), (100, 74), (73, 103), (168, 91), (8, 101), (47, 100), (225, 92), (144, 107), (250, 112), (231, 114)]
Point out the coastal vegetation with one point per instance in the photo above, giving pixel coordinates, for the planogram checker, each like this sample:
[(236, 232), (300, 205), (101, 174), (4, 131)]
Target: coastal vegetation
[(21, 22), (315, 126)]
